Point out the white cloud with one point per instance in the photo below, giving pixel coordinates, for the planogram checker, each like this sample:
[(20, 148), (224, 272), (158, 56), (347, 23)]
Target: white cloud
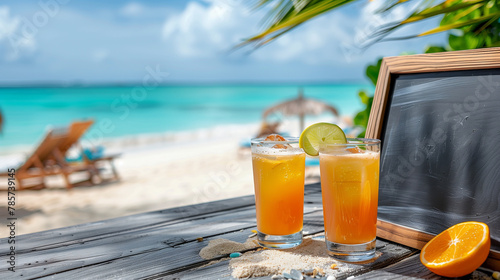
[(204, 30), (207, 30), (16, 36), (316, 42), (132, 9), (7, 24)]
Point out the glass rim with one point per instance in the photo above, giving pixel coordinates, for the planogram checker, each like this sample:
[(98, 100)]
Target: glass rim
[(367, 142), (288, 140)]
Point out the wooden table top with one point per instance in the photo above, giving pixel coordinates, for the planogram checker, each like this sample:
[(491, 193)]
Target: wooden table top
[(163, 245)]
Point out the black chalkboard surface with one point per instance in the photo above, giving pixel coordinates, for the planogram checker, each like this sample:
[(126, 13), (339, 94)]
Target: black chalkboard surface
[(440, 156)]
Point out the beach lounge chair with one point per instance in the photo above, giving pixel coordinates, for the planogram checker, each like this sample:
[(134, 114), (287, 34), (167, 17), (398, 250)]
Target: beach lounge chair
[(43, 163), (49, 159), (93, 161)]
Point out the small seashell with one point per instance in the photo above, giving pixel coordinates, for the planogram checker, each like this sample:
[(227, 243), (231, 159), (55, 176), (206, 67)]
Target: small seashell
[(333, 266), (252, 235), (199, 239), (277, 277), (331, 277), (296, 275), (315, 272), (235, 255)]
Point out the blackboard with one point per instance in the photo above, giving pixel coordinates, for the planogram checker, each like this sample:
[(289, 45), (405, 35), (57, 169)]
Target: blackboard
[(440, 156)]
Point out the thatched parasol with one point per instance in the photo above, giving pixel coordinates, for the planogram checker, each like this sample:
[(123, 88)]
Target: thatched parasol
[(301, 106)]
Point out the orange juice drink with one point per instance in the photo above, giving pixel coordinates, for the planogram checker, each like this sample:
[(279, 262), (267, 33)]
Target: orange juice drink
[(349, 185), (278, 170)]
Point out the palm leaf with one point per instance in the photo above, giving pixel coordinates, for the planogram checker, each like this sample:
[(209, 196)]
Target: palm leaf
[(464, 7), (440, 9), (389, 5), (483, 19), (285, 15)]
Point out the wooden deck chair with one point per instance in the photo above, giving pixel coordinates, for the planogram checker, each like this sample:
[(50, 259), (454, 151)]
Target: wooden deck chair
[(76, 131), (47, 160)]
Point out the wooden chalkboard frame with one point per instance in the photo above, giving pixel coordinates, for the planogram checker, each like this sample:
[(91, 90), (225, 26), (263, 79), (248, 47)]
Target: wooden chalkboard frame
[(488, 58)]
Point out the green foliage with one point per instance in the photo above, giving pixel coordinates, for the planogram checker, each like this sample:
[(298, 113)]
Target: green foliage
[(361, 118), (372, 72), (434, 49), (477, 35)]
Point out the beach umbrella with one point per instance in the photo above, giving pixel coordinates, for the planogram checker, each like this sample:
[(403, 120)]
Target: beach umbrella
[(301, 107)]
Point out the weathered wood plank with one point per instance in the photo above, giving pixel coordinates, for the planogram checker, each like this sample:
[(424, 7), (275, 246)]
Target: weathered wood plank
[(162, 261), (217, 222), (140, 242), (134, 245), (80, 233), (410, 268)]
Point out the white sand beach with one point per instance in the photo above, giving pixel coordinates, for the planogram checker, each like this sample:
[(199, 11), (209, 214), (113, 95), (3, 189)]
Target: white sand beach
[(156, 172)]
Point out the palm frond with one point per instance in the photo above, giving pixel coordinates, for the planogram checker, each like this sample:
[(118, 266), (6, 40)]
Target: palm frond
[(286, 15), (441, 9), (483, 19), (483, 22), (389, 5), (465, 7)]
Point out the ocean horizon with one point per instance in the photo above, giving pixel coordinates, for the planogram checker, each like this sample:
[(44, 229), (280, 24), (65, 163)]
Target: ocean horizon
[(134, 110)]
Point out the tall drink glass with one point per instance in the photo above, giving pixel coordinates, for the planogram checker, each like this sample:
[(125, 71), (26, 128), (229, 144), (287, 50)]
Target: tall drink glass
[(349, 186), (278, 174)]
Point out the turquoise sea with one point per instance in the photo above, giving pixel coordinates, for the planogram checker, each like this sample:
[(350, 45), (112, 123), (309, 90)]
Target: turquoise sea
[(135, 110)]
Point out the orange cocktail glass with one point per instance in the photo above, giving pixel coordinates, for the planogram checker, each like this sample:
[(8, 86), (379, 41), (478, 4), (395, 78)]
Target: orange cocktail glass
[(349, 185), (278, 169)]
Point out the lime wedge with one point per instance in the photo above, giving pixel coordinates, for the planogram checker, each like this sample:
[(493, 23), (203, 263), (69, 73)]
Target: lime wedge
[(320, 133)]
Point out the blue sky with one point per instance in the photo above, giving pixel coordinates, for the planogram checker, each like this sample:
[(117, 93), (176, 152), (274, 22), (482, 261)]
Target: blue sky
[(85, 42)]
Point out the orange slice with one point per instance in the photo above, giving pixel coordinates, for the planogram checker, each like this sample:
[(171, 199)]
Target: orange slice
[(457, 251), (274, 137)]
